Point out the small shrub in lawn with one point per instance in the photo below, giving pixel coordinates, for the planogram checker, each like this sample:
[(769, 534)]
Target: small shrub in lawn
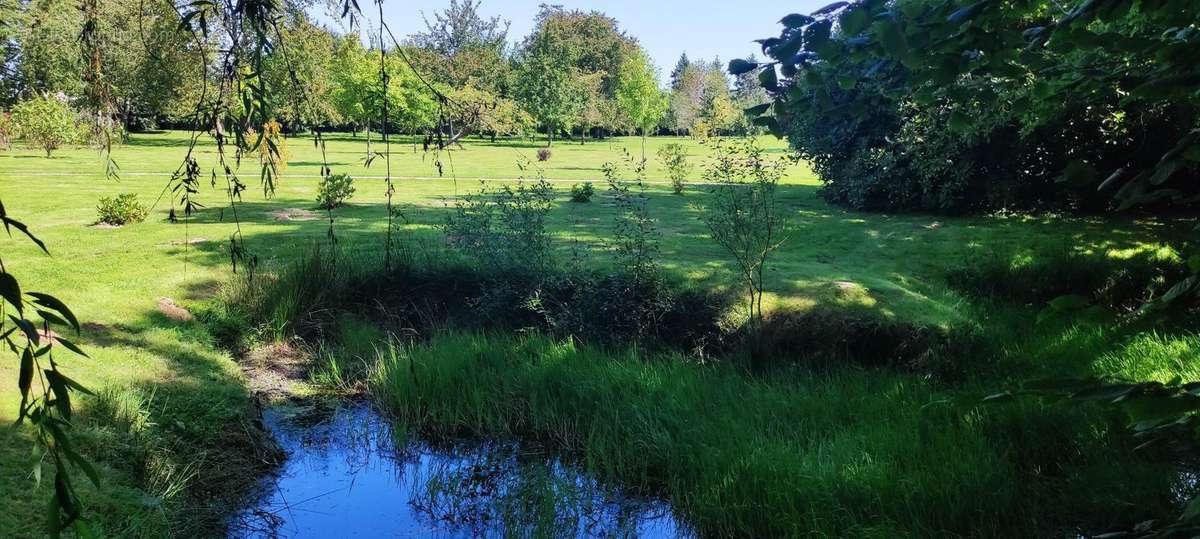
[(121, 210), (675, 158), (543, 154), (334, 190), (582, 192)]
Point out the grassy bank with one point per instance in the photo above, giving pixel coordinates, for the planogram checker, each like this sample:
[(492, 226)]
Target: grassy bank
[(841, 452), (825, 437)]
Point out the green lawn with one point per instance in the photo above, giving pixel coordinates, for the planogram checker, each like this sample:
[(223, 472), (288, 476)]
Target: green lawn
[(112, 278)]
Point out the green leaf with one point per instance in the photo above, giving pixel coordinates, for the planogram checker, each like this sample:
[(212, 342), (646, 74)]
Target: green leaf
[(1192, 510), (891, 36), (769, 79), (739, 67), (27, 328), (1080, 173), (796, 20), (1194, 263), (831, 8), (816, 36), (10, 290), (25, 378), (959, 121), (1106, 392), (62, 395), (847, 82), (854, 21), (966, 13), (71, 346), (1164, 171), (758, 110), (1180, 288), (1070, 302), (50, 302)]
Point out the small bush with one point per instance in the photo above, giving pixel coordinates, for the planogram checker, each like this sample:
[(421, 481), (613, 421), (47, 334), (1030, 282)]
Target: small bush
[(334, 190), (543, 154), (582, 192), (504, 227), (7, 130), (46, 122), (121, 210), (674, 157)]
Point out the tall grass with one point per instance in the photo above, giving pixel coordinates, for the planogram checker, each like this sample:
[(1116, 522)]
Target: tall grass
[(843, 452)]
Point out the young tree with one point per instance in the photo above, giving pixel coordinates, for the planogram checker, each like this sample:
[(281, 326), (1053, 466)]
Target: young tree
[(742, 214), (638, 95), (46, 122), (548, 86)]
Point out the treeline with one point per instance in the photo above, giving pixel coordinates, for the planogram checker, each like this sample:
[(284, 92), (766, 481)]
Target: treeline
[(577, 74), (980, 105)]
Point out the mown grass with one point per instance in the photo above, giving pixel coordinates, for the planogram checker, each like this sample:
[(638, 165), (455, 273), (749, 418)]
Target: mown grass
[(194, 397)]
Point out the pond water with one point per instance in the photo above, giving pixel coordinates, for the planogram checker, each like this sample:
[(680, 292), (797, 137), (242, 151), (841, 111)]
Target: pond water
[(348, 475)]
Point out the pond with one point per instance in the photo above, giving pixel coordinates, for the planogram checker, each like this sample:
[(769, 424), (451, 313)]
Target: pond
[(348, 474)]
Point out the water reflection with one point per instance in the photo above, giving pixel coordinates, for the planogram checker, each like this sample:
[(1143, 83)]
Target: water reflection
[(348, 476)]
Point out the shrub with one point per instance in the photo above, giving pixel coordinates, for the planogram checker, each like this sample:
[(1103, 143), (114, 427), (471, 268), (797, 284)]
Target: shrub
[(582, 192), (121, 210), (334, 190), (742, 214), (7, 130), (505, 227), (45, 122), (674, 157), (543, 154)]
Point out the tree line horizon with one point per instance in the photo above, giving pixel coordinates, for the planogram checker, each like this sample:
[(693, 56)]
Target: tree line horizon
[(577, 74)]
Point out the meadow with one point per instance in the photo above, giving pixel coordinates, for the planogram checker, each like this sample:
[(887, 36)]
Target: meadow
[(843, 449)]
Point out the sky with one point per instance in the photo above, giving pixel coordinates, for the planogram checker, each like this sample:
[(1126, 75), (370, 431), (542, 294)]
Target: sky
[(705, 29)]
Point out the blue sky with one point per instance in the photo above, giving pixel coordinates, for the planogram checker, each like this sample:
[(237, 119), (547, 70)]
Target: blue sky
[(703, 28)]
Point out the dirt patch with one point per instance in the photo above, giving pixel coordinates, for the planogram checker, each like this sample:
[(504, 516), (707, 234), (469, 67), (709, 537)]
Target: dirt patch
[(104, 226), (192, 241), (294, 214), (276, 371), (170, 309)]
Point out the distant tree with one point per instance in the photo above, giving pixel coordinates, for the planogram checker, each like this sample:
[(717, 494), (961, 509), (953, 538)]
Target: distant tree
[(548, 85), (700, 102), (680, 67), (301, 73), (358, 94), (461, 48), (489, 113), (747, 93), (460, 27), (717, 107), (145, 58), (45, 121), (594, 47), (638, 95)]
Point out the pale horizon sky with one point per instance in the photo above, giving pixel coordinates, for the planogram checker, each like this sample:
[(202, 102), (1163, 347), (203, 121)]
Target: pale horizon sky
[(666, 28)]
